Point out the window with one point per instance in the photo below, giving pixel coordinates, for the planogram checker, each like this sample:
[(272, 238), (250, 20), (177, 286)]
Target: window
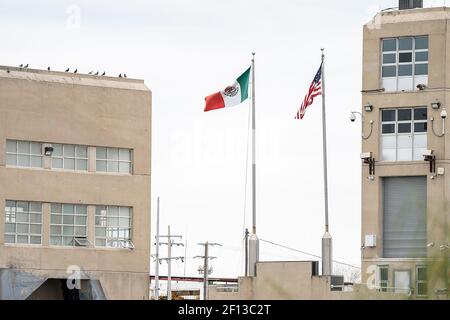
[(403, 134), (404, 63), (113, 160), (402, 281), (421, 281), (23, 224), (23, 154), (113, 226), (67, 223), (383, 278), (69, 157)]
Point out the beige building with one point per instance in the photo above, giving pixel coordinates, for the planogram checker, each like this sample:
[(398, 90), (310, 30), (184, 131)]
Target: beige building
[(74, 186), (406, 174)]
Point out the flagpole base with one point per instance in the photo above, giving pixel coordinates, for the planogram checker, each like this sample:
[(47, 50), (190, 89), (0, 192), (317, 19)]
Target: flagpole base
[(327, 259), (253, 255)]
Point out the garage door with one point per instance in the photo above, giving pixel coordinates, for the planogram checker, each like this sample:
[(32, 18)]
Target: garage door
[(404, 217)]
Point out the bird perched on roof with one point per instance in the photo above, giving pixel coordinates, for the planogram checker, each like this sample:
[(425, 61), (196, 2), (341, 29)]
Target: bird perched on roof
[(67, 70), (103, 73), (96, 74), (48, 68), (125, 75), (76, 70), (120, 75), (26, 66), (21, 65), (91, 72)]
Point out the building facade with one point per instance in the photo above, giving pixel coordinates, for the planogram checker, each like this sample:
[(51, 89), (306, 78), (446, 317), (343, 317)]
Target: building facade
[(74, 186), (406, 151)]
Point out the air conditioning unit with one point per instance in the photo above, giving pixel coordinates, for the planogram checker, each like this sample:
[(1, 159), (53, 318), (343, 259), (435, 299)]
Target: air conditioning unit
[(410, 4)]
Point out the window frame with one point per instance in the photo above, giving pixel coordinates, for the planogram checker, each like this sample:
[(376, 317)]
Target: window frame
[(102, 222), (75, 214), (75, 157), (30, 154), (382, 284), (414, 135), (107, 161), (424, 282), (17, 234), (398, 64)]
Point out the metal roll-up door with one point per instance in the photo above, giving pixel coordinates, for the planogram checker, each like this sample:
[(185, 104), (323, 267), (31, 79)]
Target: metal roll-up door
[(404, 217)]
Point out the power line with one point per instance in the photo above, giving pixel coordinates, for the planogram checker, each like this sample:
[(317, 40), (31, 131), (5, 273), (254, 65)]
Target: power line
[(307, 253)]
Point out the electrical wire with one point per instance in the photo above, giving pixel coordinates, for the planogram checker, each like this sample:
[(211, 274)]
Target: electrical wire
[(306, 253)]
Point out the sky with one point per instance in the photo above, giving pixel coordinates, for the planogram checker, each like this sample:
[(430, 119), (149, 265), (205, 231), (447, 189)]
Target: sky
[(186, 50)]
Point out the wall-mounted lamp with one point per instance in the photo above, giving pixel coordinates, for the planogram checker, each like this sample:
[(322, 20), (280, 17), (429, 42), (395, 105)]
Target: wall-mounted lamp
[(368, 108), (430, 157), (353, 119), (48, 150), (430, 245), (367, 158), (443, 117), (435, 105)]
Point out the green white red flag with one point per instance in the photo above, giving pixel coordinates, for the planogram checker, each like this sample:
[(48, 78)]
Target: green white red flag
[(230, 96)]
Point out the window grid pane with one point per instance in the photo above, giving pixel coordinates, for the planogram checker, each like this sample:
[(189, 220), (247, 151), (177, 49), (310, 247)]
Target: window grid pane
[(113, 226), (403, 134), (70, 157), (23, 154), (114, 160), (405, 62), (67, 221), (23, 223)]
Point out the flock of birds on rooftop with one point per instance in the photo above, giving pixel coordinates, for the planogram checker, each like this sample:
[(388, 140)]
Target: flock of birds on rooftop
[(22, 66)]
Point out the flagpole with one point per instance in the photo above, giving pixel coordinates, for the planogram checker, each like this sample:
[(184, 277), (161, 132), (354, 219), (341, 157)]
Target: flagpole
[(326, 239), (253, 242)]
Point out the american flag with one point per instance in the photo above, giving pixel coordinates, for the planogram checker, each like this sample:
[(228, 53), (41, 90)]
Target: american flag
[(315, 89)]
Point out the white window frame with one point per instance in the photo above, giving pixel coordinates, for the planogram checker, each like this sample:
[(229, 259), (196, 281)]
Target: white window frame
[(75, 158), (424, 282), (11, 218), (396, 134), (382, 284), (397, 63), (108, 161), (111, 231), (29, 154), (77, 212)]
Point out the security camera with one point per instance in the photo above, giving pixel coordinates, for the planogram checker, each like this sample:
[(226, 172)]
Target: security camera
[(444, 114), (428, 155), (366, 156), (353, 117)]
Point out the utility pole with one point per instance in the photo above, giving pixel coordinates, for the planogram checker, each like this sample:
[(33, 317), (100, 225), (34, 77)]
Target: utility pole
[(246, 252), (206, 269), (170, 242), (157, 254)]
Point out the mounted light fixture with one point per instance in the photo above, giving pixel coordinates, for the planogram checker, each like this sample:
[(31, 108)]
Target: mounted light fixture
[(353, 119), (435, 105), (443, 118), (429, 156), (367, 158), (368, 108), (47, 150)]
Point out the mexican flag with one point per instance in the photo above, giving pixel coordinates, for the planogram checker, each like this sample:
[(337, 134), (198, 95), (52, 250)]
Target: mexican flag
[(230, 96)]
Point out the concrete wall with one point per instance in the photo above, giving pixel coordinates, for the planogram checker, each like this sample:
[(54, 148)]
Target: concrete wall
[(434, 23), (85, 110)]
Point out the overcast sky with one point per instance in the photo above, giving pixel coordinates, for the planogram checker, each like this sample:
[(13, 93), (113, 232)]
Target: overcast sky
[(186, 50)]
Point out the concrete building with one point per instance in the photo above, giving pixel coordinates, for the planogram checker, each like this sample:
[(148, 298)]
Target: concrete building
[(74, 186), (406, 151)]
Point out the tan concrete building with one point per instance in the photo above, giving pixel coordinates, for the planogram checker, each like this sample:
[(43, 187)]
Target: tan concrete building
[(406, 175), (74, 186)]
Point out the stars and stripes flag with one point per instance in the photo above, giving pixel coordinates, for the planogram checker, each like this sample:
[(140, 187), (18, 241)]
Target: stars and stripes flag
[(315, 89)]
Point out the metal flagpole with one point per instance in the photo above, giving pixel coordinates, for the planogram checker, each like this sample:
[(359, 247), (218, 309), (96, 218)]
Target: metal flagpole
[(326, 239), (253, 241)]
